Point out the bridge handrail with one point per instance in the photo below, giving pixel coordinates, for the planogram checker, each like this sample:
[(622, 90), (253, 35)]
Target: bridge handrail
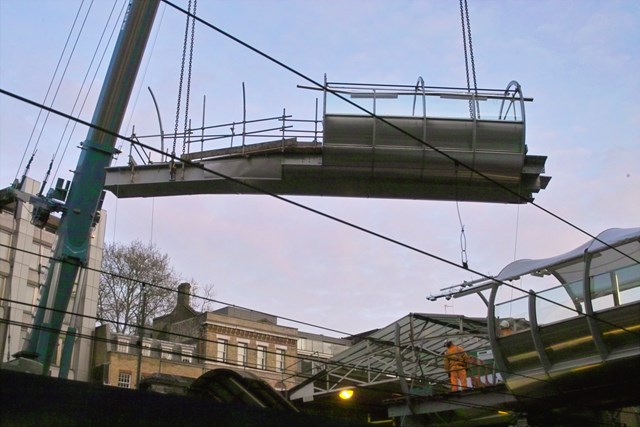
[(372, 97)]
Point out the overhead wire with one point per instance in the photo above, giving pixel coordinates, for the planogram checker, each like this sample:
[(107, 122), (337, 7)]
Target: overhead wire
[(35, 125), (55, 95), (454, 264), (318, 212), (381, 119), (86, 97), (325, 376), (144, 283)]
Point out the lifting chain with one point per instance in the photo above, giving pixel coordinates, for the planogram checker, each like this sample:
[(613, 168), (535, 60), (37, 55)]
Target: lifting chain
[(186, 107), (468, 56), (184, 54)]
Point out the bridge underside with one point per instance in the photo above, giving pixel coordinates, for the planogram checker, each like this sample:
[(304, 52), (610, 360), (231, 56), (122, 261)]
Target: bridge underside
[(306, 174)]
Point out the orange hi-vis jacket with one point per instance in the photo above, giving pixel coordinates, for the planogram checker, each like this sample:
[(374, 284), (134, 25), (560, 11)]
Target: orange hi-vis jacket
[(455, 358)]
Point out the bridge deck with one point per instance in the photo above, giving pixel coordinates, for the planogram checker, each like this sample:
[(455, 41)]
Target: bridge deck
[(358, 158)]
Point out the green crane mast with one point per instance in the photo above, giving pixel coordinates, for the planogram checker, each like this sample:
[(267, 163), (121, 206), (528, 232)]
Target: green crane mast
[(79, 213)]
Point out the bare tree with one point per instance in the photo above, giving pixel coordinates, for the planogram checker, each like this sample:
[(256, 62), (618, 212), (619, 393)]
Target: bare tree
[(126, 270), (201, 296)]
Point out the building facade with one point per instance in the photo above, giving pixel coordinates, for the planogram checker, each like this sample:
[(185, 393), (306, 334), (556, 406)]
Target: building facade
[(25, 251), (187, 343)]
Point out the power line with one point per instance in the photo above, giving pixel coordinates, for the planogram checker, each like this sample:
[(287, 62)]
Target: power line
[(165, 288), (324, 376), (86, 97), (378, 118), (49, 89), (318, 212), (212, 300)]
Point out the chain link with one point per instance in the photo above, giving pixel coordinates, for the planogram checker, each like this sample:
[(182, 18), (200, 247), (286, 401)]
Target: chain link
[(466, 56), (186, 107), (184, 54), (473, 62)]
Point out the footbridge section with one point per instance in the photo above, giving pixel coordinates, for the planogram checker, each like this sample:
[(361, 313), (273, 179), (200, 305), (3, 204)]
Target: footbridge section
[(455, 146)]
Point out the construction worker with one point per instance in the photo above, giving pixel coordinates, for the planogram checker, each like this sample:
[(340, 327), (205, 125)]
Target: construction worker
[(455, 364), (505, 328)]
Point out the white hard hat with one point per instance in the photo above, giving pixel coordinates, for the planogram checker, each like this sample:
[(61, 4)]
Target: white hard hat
[(504, 324)]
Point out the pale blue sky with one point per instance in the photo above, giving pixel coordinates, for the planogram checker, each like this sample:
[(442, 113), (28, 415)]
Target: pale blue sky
[(577, 59)]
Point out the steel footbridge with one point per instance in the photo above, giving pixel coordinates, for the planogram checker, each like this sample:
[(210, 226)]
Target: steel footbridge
[(380, 141)]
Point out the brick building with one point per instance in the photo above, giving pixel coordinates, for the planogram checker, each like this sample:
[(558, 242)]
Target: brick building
[(188, 343)]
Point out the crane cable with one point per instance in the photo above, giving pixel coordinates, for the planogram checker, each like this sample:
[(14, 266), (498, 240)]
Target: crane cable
[(84, 82), (474, 108), (53, 77), (172, 166), (186, 107)]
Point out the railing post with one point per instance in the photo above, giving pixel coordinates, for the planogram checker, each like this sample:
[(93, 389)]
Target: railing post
[(284, 118)]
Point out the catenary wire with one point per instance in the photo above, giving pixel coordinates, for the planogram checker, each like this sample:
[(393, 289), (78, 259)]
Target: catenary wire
[(64, 72), (326, 378), (165, 288), (318, 212), (221, 302), (86, 97), (381, 119), (174, 290), (35, 125)]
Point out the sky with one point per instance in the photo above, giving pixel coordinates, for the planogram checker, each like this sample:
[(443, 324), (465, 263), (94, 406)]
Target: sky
[(576, 58)]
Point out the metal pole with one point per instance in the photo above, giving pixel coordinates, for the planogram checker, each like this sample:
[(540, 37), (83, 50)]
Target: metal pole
[(141, 324)]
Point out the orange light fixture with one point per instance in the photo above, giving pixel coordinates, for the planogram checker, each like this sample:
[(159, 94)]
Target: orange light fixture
[(346, 394)]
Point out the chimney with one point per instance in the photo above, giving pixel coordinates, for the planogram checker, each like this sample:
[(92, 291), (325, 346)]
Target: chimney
[(184, 295)]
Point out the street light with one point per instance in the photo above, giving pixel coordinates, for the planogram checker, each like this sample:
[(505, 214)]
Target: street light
[(346, 394)]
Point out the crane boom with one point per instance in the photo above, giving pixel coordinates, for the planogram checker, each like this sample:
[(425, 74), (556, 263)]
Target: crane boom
[(82, 204)]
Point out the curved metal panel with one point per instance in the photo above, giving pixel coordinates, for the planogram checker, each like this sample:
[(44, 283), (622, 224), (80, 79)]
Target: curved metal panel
[(596, 334), (535, 333)]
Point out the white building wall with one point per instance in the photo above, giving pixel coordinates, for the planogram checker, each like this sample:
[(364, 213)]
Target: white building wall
[(22, 272)]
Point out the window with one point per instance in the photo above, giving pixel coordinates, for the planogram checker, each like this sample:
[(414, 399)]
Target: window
[(5, 239), (35, 296), (124, 379), (3, 282), (186, 355), (242, 354), (123, 345), (146, 348), (59, 348), (167, 351), (280, 359), (262, 357), (222, 349)]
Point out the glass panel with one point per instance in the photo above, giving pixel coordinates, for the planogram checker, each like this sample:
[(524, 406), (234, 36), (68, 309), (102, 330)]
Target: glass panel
[(517, 311), (279, 360), (242, 354), (222, 350), (326, 348), (262, 357), (601, 292), (629, 283), (554, 305)]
